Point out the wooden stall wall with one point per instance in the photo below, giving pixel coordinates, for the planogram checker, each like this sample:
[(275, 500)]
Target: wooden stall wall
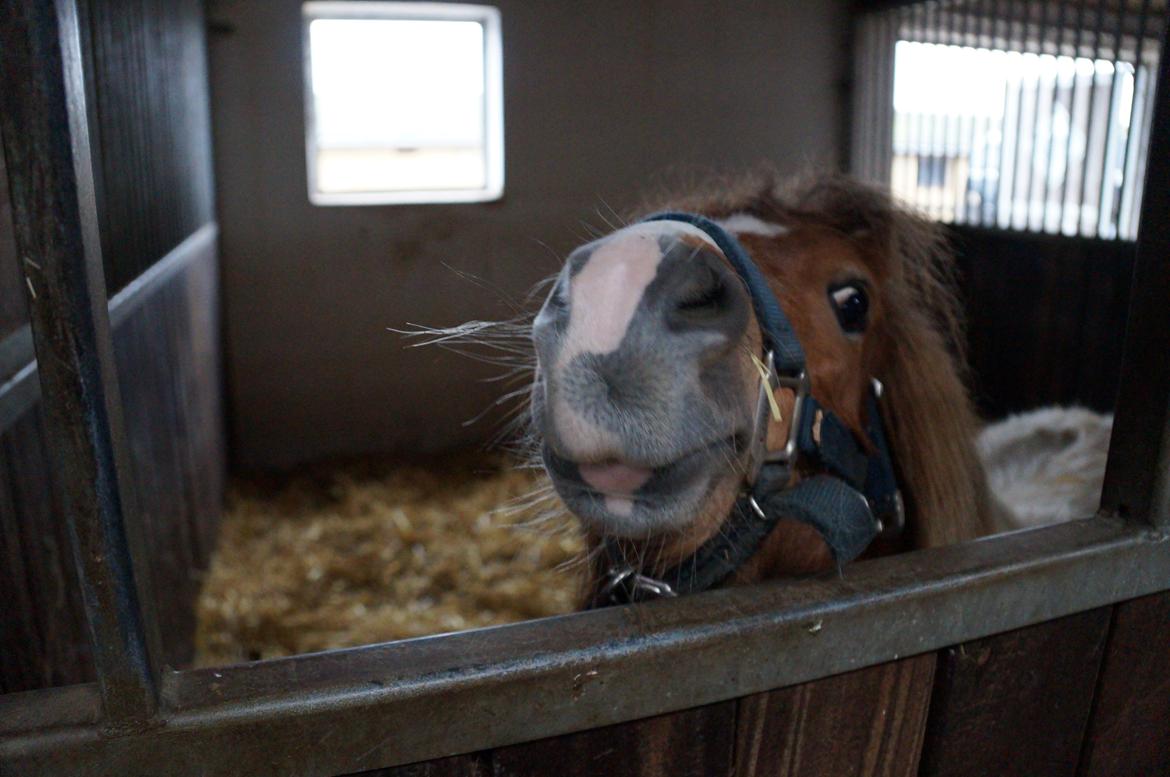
[(146, 80), (1045, 317)]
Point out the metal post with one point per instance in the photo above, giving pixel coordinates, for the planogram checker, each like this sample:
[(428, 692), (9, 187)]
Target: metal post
[(46, 145), (1137, 478)]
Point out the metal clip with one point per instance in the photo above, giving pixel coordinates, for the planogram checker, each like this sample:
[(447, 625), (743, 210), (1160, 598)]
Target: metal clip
[(891, 516), (635, 587), (759, 454)]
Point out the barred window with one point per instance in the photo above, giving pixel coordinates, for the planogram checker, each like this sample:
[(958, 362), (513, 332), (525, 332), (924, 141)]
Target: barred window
[(1026, 116)]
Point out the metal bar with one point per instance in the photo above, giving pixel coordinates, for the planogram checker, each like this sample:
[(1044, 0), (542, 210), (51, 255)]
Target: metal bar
[(1018, 158), (407, 701), (1072, 113), (1135, 121), (949, 38), (989, 206), (938, 139), (905, 29), (1089, 121), (46, 146), (1142, 151), (971, 29), (1137, 477), (1105, 219), (1007, 162), (919, 13), (1045, 184), (958, 187), (1030, 160), (861, 147), (887, 39)]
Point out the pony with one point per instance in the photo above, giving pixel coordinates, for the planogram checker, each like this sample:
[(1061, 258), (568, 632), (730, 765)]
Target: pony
[(647, 373)]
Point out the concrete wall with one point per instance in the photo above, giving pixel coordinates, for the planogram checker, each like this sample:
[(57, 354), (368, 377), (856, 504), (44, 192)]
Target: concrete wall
[(602, 101)]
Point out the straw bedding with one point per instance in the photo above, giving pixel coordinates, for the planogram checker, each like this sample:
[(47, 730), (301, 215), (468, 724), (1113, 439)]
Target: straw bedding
[(361, 552)]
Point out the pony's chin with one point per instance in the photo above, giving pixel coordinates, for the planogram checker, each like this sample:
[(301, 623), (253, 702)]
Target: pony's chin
[(632, 517)]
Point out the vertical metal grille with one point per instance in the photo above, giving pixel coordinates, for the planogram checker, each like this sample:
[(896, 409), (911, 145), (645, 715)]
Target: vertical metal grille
[(1013, 114)]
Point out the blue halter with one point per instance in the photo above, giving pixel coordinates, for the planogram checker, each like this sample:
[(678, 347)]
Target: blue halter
[(852, 500)]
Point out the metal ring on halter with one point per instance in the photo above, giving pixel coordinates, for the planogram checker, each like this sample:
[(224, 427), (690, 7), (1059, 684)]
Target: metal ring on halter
[(638, 586)]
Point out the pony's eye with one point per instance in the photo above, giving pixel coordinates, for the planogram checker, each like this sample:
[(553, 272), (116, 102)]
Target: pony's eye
[(851, 304)]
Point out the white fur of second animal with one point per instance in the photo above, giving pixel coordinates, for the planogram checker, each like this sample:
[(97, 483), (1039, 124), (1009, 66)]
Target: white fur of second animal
[(1047, 465)]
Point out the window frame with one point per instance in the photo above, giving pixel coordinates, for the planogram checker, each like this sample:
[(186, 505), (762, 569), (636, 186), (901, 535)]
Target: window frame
[(485, 15)]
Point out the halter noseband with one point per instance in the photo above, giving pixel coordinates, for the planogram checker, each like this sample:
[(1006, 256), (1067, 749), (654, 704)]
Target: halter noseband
[(853, 499)]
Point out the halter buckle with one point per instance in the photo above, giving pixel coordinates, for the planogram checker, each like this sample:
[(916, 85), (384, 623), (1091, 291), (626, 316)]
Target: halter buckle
[(633, 587), (758, 455)]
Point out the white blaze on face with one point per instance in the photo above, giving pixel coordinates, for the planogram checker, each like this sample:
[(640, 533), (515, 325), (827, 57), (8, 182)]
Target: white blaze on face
[(747, 224), (604, 296)]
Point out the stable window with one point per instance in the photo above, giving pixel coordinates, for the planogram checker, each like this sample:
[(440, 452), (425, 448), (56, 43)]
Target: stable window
[(1034, 117), (403, 103)]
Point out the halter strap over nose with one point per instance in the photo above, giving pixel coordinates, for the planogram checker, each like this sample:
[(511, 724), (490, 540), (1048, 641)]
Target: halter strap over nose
[(853, 498)]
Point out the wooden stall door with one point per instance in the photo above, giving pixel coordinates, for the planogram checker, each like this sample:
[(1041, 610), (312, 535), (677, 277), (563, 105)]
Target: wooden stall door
[(147, 94)]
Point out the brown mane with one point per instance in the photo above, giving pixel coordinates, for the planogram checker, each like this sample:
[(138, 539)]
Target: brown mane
[(921, 361)]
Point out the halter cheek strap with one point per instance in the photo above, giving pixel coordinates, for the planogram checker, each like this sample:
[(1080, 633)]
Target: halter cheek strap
[(853, 499)]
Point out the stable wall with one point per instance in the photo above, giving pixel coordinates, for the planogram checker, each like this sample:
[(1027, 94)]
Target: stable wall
[(603, 102)]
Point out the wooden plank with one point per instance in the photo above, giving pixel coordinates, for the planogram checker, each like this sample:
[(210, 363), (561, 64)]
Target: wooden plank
[(866, 722), (1043, 313), (1129, 733), (695, 742), (1016, 703), (146, 76), (43, 641)]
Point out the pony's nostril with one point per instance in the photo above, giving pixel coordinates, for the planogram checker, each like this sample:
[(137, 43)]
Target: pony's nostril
[(705, 301), (704, 298)]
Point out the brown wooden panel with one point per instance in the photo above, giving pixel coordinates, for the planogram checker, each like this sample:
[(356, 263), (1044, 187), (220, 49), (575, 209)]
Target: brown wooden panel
[(42, 640), (1015, 703), (169, 371), (1129, 733), (150, 128), (1045, 314), (694, 742), (867, 722), (171, 393)]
